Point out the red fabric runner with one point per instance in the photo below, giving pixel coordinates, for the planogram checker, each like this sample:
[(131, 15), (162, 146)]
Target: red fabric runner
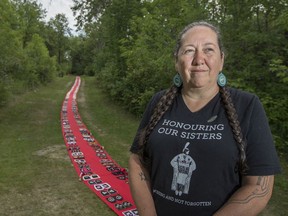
[(92, 163)]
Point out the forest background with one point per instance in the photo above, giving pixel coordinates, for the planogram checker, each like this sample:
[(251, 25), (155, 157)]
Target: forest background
[(127, 46)]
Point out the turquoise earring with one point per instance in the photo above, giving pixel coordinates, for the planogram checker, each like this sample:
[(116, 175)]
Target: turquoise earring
[(177, 80), (221, 80)]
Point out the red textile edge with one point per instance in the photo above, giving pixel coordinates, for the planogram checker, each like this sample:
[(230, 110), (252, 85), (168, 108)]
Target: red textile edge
[(93, 164)]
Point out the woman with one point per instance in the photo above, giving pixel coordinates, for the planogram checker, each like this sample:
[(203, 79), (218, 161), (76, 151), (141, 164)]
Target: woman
[(202, 148)]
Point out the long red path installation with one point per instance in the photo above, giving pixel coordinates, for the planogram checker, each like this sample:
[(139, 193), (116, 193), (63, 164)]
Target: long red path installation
[(95, 167)]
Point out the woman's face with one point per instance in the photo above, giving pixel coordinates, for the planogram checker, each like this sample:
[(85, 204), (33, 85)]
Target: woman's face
[(199, 59)]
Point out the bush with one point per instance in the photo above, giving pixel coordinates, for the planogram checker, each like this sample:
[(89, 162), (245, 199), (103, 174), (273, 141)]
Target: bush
[(39, 66)]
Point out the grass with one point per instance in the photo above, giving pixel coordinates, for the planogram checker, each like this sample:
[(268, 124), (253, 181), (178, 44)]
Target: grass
[(278, 204), (36, 173), (36, 176), (112, 126)]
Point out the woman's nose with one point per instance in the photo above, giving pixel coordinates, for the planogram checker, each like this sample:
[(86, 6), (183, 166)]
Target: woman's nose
[(199, 58)]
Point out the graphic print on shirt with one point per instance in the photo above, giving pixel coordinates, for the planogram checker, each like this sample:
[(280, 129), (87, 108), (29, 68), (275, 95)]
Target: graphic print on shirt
[(183, 167)]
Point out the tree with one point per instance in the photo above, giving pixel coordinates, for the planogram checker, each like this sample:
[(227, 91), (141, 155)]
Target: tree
[(30, 17), (11, 54), (89, 11), (78, 55), (61, 32), (105, 27), (40, 67), (24, 57), (58, 41)]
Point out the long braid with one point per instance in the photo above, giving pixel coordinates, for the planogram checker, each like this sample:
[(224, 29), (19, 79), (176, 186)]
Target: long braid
[(235, 125), (162, 106)]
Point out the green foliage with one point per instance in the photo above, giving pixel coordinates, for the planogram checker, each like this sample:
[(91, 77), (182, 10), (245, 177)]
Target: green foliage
[(77, 56), (276, 102), (89, 10), (148, 49), (25, 40), (10, 39), (40, 67), (132, 45), (59, 36), (10, 49), (11, 52), (30, 15), (277, 66), (102, 47)]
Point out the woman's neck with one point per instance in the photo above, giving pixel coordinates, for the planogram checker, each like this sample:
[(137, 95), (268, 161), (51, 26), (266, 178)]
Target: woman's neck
[(196, 99)]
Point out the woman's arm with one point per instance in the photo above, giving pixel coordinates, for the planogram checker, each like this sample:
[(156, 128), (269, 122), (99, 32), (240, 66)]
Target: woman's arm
[(140, 187), (250, 199)]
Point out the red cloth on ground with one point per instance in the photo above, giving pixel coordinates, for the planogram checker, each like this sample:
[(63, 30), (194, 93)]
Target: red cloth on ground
[(92, 163)]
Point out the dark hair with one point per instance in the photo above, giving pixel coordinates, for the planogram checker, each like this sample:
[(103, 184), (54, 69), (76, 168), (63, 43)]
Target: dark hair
[(168, 98)]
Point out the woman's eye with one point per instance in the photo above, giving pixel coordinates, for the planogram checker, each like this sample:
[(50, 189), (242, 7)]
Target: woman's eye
[(208, 50), (189, 52)]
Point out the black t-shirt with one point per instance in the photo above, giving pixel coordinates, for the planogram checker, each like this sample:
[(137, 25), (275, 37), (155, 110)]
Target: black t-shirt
[(194, 155)]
